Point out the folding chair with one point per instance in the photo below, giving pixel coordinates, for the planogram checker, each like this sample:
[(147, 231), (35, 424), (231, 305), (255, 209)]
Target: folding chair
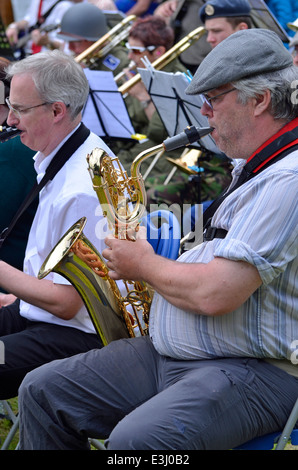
[(7, 411), (276, 440)]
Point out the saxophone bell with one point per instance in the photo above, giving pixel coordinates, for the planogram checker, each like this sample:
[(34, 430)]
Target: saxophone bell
[(7, 133)]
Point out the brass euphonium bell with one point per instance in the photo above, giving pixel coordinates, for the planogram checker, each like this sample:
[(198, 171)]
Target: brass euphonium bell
[(123, 200), (76, 259)]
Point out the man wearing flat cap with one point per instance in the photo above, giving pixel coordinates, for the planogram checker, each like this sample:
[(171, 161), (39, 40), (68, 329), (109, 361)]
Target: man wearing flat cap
[(222, 18), (219, 366)]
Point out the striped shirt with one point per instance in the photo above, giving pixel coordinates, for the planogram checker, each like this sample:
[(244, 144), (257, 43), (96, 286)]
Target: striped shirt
[(261, 219)]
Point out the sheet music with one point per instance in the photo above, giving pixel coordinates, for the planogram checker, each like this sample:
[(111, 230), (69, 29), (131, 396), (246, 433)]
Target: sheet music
[(105, 112), (176, 109), (262, 17)]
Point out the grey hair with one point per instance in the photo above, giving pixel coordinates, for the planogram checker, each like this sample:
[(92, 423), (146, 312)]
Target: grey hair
[(281, 84), (57, 77)]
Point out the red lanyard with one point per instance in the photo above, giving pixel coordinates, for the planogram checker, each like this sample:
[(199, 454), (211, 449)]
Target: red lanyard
[(35, 47)]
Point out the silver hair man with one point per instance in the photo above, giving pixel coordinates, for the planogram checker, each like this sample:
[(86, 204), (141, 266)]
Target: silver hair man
[(57, 77)]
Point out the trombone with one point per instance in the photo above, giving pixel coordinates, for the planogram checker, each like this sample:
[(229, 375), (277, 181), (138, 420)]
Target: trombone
[(107, 42), (131, 66), (167, 57)]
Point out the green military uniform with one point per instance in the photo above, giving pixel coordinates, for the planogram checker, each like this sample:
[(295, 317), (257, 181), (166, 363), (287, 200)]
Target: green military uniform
[(185, 188), (184, 21), (115, 61)]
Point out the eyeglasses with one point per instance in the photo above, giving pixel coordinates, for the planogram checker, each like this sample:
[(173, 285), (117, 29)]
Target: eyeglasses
[(18, 112), (138, 49), (208, 100)]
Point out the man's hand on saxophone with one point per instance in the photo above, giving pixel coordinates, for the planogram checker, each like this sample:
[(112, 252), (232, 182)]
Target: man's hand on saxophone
[(124, 256)]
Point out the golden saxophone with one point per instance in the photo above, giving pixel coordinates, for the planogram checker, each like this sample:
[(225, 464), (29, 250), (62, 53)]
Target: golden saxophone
[(123, 201)]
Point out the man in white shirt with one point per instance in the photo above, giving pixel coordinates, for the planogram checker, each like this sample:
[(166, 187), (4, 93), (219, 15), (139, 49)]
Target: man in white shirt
[(48, 13), (50, 321)]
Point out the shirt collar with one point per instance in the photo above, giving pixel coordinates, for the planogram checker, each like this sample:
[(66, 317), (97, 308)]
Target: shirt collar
[(41, 162)]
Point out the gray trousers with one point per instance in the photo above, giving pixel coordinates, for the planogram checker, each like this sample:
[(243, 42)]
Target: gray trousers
[(139, 400)]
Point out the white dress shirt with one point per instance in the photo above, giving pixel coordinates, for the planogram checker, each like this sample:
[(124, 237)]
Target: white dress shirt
[(54, 17), (62, 202)]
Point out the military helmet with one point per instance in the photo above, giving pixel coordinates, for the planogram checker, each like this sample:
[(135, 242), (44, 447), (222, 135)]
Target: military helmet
[(83, 21)]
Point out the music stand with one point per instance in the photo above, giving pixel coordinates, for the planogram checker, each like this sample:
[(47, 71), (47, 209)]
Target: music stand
[(105, 112), (262, 17), (178, 111)]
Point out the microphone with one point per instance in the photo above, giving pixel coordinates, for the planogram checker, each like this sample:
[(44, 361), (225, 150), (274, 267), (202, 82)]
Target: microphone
[(188, 136), (7, 133)]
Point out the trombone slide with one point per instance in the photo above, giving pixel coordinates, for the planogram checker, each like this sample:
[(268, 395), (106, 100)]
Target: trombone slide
[(107, 42)]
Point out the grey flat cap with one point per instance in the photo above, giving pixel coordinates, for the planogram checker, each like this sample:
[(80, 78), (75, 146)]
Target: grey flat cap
[(243, 54)]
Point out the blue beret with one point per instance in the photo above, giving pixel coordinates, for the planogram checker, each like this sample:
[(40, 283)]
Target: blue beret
[(241, 55), (224, 8)]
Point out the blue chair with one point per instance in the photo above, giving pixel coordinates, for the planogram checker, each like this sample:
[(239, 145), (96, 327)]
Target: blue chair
[(276, 440), (163, 233)]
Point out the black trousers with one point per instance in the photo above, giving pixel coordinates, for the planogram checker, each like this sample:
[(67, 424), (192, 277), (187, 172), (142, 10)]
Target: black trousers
[(28, 345)]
